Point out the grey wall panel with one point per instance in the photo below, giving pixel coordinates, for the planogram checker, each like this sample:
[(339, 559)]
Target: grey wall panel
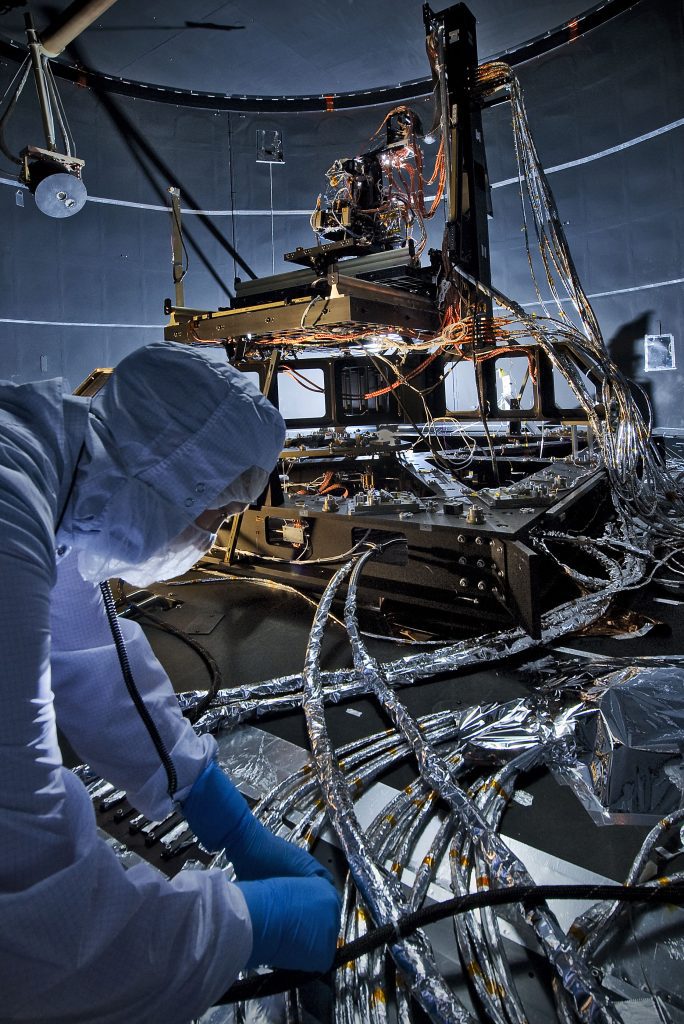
[(71, 352)]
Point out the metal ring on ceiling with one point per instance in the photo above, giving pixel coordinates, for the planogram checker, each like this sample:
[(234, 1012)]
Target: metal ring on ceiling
[(536, 47)]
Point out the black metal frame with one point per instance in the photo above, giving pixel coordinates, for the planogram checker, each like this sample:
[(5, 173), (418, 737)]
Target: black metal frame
[(544, 404), (399, 406)]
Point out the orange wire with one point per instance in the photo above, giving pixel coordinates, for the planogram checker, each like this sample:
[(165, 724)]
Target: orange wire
[(405, 377)]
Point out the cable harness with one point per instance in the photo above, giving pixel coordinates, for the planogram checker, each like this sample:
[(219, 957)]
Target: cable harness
[(463, 815)]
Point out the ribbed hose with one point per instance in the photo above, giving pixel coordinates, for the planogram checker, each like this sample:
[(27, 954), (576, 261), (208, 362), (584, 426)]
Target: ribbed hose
[(127, 674), (263, 985), (215, 677)]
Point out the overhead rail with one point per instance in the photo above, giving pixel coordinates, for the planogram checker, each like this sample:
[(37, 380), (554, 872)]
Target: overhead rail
[(88, 78)]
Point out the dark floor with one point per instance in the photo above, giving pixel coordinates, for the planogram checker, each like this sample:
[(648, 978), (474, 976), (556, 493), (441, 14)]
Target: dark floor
[(256, 634)]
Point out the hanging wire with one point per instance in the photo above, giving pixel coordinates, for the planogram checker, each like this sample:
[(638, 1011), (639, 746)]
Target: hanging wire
[(56, 99), (13, 92)]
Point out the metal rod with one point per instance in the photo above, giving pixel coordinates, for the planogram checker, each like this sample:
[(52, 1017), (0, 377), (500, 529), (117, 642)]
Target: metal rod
[(177, 246), (54, 100), (36, 53), (59, 40), (270, 173), (236, 521)]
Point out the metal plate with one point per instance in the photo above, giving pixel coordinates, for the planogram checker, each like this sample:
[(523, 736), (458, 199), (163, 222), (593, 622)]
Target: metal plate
[(60, 195)]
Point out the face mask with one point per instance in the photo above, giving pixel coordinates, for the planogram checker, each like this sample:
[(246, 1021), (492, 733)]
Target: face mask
[(233, 508), (242, 491), (174, 560)]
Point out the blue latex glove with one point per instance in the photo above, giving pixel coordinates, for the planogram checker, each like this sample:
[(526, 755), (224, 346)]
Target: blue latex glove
[(220, 817), (295, 922)]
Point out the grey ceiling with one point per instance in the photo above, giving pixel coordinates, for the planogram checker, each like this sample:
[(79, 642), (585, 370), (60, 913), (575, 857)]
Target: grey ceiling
[(281, 47)]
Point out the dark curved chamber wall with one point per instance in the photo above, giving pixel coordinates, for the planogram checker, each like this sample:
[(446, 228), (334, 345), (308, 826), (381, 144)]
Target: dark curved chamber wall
[(111, 264)]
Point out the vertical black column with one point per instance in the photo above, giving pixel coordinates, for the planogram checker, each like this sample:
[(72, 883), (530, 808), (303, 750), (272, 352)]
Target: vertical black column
[(466, 240), (469, 202)]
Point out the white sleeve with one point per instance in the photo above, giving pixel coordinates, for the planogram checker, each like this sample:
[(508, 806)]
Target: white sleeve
[(95, 710), (94, 942), (83, 940)]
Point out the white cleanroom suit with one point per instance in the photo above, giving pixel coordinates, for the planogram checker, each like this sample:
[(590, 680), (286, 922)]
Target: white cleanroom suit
[(87, 487)]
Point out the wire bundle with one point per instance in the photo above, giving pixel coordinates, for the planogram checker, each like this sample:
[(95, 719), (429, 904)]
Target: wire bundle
[(643, 488), (455, 800)]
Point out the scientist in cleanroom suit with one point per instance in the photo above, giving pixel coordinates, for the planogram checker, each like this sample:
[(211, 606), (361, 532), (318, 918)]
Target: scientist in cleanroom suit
[(129, 484)]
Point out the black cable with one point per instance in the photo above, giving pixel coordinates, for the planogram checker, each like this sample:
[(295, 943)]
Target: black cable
[(141, 708), (529, 895), (215, 677)]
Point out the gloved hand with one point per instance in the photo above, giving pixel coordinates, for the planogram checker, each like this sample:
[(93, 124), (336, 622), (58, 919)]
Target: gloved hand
[(295, 922), (220, 817)]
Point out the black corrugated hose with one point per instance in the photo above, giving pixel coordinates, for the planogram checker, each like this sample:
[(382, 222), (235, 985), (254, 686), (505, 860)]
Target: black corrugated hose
[(127, 674), (215, 677), (283, 981)]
